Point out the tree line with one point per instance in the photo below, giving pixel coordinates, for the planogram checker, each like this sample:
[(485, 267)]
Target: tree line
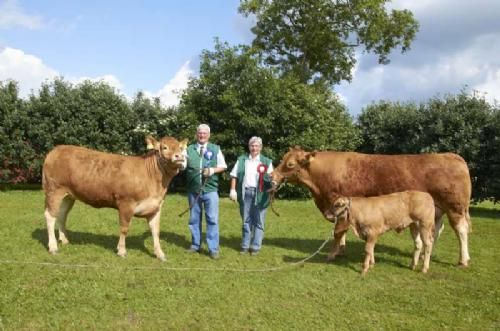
[(239, 98)]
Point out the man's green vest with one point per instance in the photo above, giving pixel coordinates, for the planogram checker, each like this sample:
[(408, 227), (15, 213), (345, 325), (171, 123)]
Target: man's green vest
[(262, 197), (193, 171)]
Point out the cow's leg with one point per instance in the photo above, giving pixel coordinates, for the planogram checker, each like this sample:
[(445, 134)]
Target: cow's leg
[(154, 225), (426, 233), (336, 245), (415, 233), (125, 219), (460, 224), (52, 205), (369, 254), (66, 205), (439, 225)]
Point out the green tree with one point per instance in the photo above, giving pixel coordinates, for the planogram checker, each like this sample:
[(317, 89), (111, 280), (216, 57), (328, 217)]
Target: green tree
[(151, 119), (317, 39), (461, 123), (487, 175), (90, 114), (15, 153), (238, 98)]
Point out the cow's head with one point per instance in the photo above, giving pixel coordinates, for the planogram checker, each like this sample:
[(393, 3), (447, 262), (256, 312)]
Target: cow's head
[(339, 207), (170, 151), (292, 165)]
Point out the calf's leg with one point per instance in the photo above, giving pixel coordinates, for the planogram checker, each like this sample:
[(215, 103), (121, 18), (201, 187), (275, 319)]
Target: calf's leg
[(336, 245), (427, 236), (369, 254), (415, 233)]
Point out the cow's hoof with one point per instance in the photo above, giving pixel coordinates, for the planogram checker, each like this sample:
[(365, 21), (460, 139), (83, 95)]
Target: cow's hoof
[(162, 258), (122, 254), (330, 258), (64, 241), (463, 264), (424, 271), (53, 250)]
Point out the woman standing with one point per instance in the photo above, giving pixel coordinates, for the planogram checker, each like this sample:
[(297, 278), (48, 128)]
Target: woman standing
[(250, 180)]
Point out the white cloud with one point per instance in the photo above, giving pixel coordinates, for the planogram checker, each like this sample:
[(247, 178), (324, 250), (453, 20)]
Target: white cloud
[(491, 87), (170, 93), (109, 79), (12, 15), (28, 70)]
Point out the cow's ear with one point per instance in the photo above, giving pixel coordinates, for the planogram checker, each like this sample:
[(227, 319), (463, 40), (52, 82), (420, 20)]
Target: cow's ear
[(151, 143), (308, 158), (183, 144)]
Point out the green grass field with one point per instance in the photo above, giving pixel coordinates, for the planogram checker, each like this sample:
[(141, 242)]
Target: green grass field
[(87, 286)]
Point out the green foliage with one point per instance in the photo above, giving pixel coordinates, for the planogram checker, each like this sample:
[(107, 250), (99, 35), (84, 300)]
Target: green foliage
[(317, 39), (87, 286), (239, 99), (16, 154), (151, 119), (463, 124)]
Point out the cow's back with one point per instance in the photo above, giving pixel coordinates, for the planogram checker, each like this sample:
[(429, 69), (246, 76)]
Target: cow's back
[(93, 177), (444, 176)]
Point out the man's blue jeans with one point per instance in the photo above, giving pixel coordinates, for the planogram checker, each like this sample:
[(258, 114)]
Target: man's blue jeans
[(210, 202), (253, 222)]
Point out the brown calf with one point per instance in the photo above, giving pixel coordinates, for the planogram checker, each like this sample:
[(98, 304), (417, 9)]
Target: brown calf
[(371, 217)]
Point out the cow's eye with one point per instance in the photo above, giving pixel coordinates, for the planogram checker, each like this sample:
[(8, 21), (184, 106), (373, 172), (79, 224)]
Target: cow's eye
[(290, 164), (165, 148)]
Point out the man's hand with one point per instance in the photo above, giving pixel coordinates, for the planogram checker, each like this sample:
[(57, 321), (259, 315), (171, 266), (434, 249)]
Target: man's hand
[(207, 172), (233, 195)]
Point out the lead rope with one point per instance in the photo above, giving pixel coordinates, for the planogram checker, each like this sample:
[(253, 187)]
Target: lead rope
[(94, 266)]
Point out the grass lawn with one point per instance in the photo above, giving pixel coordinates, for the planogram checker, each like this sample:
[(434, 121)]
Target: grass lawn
[(87, 286)]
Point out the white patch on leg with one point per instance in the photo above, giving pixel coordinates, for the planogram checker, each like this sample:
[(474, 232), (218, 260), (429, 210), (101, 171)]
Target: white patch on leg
[(51, 222)]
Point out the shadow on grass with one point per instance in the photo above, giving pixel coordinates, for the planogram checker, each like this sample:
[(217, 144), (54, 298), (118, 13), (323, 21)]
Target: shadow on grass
[(108, 242), (352, 259), (134, 242), (484, 213)]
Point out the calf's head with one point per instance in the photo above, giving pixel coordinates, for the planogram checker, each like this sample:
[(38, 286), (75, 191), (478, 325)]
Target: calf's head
[(169, 150), (339, 207), (291, 166)]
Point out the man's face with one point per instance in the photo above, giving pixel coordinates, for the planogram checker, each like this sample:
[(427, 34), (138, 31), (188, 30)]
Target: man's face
[(255, 149), (202, 136)]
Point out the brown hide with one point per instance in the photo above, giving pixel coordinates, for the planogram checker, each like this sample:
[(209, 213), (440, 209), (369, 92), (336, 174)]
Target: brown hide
[(445, 176), (370, 217), (135, 185)]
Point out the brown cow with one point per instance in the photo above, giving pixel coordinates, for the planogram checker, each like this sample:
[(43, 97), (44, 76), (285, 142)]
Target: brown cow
[(371, 217), (135, 185), (444, 176)]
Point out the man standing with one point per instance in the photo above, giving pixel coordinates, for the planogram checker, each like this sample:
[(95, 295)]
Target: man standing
[(250, 179), (204, 162)]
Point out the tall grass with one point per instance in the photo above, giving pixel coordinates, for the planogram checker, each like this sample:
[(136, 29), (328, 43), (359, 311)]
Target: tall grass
[(87, 286)]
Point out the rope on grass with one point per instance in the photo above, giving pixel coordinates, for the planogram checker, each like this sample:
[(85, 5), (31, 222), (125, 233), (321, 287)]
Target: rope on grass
[(96, 266)]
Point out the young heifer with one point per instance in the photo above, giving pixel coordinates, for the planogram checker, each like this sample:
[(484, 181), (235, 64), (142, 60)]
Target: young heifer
[(135, 185), (371, 217)]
